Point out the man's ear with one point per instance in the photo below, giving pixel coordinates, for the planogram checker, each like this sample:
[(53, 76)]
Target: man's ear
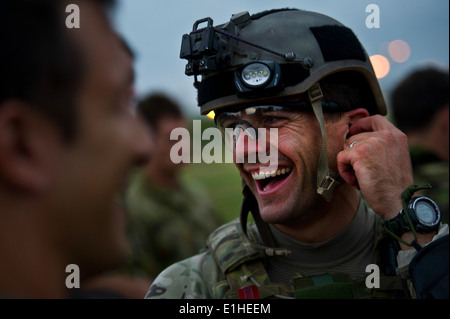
[(354, 115), (25, 147)]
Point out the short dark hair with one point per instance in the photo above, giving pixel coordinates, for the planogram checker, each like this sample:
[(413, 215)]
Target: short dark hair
[(418, 97), (157, 106), (39, 64), (349, 90)]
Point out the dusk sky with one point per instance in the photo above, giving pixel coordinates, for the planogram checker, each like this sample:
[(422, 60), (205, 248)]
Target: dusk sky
[(154, 29)]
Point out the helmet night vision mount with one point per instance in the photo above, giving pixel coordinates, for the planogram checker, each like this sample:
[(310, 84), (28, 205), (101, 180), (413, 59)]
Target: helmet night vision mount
[(209, 49)]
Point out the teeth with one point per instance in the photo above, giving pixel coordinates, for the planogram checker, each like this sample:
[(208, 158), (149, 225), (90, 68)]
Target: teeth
[(263, 175)]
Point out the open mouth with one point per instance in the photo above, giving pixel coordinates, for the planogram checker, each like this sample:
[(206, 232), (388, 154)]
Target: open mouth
[(271, 179)]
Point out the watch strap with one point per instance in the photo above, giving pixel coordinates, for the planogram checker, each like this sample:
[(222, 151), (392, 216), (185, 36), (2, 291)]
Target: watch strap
[(398, 225)]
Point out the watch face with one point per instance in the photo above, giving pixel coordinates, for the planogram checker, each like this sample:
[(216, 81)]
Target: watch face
[(426, 212)]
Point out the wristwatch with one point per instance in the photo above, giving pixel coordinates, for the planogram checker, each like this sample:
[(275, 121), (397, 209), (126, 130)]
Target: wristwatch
[(424, 214)]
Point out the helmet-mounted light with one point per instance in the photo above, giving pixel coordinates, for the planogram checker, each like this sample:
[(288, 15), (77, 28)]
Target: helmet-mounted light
[(257, 78), (255, 74)]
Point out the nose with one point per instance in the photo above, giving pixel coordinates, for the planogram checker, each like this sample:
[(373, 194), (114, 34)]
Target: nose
[(246, 143), (242, 126)]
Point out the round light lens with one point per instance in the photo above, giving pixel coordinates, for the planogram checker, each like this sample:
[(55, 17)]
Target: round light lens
[(256, 74)]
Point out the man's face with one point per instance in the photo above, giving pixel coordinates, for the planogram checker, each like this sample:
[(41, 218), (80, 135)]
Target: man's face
[(286, 192), (164, 144), (110, 139)]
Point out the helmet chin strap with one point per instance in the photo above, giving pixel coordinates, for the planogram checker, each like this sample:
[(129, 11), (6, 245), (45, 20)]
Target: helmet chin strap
[(250, 204), (327, 180)]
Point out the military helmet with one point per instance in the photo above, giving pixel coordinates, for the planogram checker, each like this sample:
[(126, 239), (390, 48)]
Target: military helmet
[(284, 52)]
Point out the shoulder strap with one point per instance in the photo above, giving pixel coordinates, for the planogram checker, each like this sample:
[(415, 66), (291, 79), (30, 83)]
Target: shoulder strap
[(241, 261), (230, 247)]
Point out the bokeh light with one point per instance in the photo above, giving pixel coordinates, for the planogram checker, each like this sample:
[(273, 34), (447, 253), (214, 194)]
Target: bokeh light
[(381, 65), (211, 115), (399, 51)]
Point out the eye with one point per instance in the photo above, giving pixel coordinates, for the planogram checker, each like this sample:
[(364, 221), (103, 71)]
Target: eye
[(224, 122), (271, 120), (229, 124)]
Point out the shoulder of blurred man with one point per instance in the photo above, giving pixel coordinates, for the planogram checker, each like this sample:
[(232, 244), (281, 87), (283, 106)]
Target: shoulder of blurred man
[(147, 202), (145, 192), (165, 227)]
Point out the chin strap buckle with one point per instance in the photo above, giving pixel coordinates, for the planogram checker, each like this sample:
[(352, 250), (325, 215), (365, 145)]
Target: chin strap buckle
[(328, 184)]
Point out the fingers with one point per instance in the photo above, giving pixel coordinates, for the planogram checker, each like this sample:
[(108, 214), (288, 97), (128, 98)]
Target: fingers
[(345, 162), (377, 127), (376, 160), (371, 124)]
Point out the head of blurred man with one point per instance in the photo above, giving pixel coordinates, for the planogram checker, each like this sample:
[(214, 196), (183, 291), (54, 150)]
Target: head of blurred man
[(67, 139), (420, 109), (163, 115)]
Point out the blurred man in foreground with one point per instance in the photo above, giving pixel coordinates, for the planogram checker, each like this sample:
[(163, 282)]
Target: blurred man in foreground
[(67, 140)]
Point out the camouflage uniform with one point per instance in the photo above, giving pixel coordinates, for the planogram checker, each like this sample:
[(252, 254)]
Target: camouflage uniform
[(166, 226), (344, 256), (430, 169)]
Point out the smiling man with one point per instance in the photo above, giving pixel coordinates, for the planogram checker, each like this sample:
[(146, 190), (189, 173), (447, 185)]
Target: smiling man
[(307, 77), (68, 137)]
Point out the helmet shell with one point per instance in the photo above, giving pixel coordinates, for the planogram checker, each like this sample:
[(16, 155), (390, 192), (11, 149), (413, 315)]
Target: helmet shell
[(320, 44)]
